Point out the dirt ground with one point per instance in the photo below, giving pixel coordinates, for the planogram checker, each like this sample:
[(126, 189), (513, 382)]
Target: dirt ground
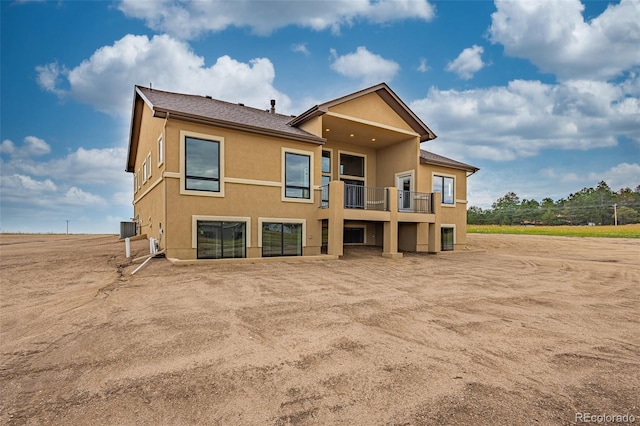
[(513, 330)]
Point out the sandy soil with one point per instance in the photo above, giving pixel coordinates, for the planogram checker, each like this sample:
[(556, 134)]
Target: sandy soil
[(514, 330)]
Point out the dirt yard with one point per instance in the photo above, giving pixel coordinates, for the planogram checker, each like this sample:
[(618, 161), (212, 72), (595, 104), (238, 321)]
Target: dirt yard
[(514, 330)]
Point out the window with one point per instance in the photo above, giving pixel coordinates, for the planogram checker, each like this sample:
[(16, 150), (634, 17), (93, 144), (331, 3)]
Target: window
[(139, 178), (326, 177), (202, 165), (446, 238), (444, 186), (297, 175), (144, 171), (326, 162), (149, 166), (135, 182), (221, 240), (160, 150), (351, 165), (353, 236), (281, 239)]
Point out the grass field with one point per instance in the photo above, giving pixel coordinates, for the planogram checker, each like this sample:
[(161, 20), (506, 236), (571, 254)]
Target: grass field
[(623, 231)]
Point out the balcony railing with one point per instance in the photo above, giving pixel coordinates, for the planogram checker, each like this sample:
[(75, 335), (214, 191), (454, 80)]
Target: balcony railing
[(414, 202), (365, 198)]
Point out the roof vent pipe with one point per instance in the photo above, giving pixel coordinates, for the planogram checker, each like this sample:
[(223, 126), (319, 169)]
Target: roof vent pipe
[(273, 106)]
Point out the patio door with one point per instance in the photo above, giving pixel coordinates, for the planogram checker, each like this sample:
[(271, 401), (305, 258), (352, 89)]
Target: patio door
[(405, 186)]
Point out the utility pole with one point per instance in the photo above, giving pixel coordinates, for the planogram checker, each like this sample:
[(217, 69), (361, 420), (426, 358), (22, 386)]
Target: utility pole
[(615, 214), (67, 226)]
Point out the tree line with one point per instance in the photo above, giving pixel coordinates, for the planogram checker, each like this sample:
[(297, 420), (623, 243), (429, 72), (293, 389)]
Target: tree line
[(598, 206)]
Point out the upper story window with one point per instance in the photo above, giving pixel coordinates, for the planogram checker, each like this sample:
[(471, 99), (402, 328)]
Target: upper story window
[(160, 150), (149, 166), (202, 164), (297, 176), (444, 185), (144, 171), (351, 165), (326, 162)]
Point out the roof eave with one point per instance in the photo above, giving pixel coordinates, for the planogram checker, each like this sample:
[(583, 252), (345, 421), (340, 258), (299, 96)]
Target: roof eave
[(177, 115), (134, 128), (461, 166)]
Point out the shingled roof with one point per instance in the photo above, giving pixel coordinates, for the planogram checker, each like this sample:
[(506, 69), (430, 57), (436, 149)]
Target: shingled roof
[(221, 112), (204, 109), (427, 157)]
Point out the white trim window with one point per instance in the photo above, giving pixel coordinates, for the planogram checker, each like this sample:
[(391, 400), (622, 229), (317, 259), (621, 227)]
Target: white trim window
[(160, 150), (297, 175), (135, 183), (201, 164), (220, 237), (445, 185), (149, 166), (144, 172), (281, 236)]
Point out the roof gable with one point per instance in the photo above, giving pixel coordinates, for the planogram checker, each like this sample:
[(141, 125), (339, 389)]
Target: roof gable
[(371, 107), (385, 93)]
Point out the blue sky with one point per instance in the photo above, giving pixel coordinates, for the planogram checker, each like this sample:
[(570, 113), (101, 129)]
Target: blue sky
[(543, 96)]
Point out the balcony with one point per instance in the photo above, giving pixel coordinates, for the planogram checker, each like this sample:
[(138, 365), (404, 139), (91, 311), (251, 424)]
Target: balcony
[(371, 198), (415, 202)]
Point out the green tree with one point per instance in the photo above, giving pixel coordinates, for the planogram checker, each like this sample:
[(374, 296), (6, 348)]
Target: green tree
[(627, 215), (505, 207)]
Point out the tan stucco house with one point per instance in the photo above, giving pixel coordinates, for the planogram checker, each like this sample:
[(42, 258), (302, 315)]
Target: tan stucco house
[(216, 180)]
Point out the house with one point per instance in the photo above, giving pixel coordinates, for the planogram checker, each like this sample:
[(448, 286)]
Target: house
[(214, 179)]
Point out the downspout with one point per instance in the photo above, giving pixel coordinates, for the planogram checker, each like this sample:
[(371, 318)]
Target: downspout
[(164, 156)]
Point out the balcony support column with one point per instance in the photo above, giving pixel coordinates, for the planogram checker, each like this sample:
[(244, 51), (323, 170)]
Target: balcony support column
[(434, 228), (336, 218), (390, 237)]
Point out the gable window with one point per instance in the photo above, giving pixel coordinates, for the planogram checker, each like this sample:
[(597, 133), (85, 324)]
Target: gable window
[(160, 150), (444, 186), (352, 165), (297, 175), (221, 240), (202, 164), (281, 239)]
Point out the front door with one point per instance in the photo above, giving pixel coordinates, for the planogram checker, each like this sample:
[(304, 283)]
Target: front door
[(405, 187)]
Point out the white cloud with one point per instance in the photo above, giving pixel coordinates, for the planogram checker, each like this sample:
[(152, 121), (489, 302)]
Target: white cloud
[(106, 79), (22, 182), (76, 195), (300, 48), (423, 67), (32, 147), (364, 65), (39, 195), (467, 63), (519, 120), (554, 36), (7, 147), (623, 175), (186, 19)]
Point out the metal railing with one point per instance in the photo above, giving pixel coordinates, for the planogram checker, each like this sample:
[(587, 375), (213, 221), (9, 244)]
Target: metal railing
[(365, 198), (414, 202)]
